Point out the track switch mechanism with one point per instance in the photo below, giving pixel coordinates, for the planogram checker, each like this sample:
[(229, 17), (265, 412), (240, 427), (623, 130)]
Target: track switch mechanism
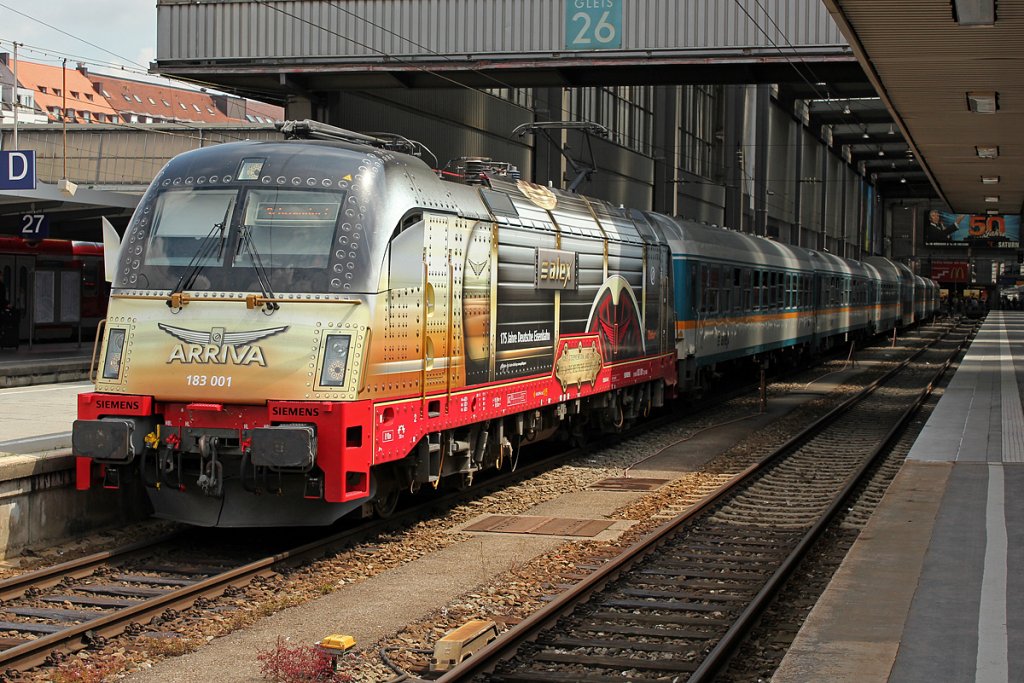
[(460, 644)]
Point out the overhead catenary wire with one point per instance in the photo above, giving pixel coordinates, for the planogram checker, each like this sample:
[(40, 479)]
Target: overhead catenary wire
[(677, 150), (70, 35), (637, 142)]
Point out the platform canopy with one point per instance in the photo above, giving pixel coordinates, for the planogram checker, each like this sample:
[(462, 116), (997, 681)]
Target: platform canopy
[(73, 217), (308, 46), (951, 74)]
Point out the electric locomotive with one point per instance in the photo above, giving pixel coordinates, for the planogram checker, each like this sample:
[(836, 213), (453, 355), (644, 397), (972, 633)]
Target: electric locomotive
[(304, 328)]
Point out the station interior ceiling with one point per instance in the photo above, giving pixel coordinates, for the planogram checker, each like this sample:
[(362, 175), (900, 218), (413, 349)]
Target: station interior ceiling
[(894, 97), (897, 105), (951, 75), (836, 89)]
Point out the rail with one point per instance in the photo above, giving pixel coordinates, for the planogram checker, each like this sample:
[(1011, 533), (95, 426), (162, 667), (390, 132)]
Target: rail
[(617, 571)]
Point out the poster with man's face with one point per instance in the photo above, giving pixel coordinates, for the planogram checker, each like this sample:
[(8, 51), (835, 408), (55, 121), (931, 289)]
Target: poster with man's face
[(943, 228)]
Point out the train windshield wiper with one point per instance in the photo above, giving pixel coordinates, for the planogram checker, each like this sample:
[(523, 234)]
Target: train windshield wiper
[(257, 264), (206, 250)]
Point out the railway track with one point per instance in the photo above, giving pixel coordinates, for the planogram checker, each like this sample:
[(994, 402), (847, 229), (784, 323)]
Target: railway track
[(49, 612), (673, 607), (79, 604)]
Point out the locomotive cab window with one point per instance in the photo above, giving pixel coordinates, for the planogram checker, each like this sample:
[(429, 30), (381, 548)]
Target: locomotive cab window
[(232, 233), (182, 221), (288, 228)]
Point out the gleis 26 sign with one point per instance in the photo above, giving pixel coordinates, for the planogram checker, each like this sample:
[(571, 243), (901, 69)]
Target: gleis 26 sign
[(593, 24)]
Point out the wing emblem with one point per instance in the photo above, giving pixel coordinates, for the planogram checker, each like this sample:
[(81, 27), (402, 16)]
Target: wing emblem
[(218, 336), (477, 267)]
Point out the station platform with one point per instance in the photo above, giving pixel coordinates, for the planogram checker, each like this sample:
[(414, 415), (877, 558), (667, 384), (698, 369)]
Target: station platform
[(933, 588), (44, 363), (37, 419)]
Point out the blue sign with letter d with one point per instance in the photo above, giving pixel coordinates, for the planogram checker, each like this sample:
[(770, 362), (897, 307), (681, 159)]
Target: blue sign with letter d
[(18, 170)]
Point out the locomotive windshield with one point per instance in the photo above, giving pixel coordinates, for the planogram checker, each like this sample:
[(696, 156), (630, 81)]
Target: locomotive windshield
[(290, 231)]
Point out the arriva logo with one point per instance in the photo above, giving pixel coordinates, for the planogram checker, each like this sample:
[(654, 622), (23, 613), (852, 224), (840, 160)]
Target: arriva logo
[(218, 347)]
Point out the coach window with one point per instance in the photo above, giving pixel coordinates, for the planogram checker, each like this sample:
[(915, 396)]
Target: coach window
[(714, 282), (703, 288), (695, 290), (737, 288), (726, 296)]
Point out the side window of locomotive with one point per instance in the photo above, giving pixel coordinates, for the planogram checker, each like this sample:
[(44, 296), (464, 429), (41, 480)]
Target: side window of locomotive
[(292, 228), (182, 219), (405, 258)]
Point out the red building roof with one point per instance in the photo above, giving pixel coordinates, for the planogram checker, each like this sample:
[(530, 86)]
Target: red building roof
[(56, 88), (153, 102), (99, 98)]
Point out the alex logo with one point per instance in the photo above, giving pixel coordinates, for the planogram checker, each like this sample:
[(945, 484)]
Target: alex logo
[(556, 269), (218, 347)]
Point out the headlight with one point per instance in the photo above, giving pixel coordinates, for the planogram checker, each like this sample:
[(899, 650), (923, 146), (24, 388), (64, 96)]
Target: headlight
[(335, 360), (112, 358)]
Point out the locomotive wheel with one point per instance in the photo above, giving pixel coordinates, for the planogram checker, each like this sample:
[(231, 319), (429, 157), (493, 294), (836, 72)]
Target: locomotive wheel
[(386, 501)]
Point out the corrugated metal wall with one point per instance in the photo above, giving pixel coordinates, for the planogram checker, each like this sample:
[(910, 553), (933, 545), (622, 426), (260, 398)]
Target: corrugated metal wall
[(117, 156), (312, 30), (451, 123), (782, 150)]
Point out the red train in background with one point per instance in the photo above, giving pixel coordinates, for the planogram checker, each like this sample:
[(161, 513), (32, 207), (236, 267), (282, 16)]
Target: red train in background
[(56, 287)]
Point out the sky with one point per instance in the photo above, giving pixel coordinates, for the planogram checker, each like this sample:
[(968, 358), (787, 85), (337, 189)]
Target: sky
[(126, 28)]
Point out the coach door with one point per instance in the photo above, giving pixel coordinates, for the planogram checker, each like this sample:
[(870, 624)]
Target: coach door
[(17, 272)]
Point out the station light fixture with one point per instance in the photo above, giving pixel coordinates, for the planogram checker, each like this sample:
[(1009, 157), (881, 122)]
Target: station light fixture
[(989, 179), (846, 109), (974, 12), (881, 152), (987, 152), (991, 200), (992, 212), (865, 134), (903, 179), (892, 129), (983, 102)]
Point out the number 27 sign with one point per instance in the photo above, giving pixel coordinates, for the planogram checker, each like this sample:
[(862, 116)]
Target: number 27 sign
[(35, 226), (593, 24)]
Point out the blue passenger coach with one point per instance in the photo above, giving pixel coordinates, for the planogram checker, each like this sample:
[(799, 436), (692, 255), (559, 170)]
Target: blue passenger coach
[(739, 296)]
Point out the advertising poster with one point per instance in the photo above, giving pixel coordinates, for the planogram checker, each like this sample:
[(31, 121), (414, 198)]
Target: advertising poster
[(943, 228), (950, 271)]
